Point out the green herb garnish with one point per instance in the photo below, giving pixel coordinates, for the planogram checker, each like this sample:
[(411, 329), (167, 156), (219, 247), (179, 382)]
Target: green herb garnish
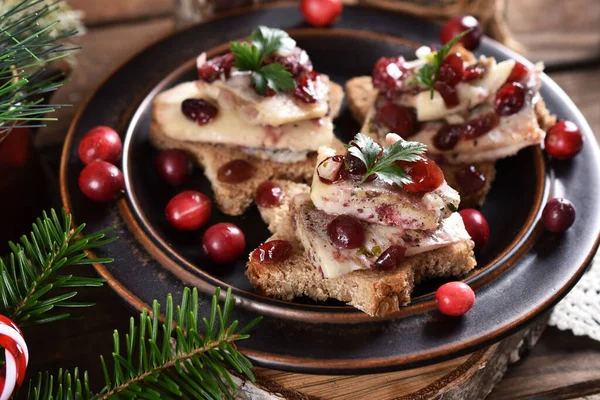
[(452, 207), (250, 56), (383, 162), (427, 75)]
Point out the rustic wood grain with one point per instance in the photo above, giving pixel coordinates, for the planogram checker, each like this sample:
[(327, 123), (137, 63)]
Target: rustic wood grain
[(114, 11)]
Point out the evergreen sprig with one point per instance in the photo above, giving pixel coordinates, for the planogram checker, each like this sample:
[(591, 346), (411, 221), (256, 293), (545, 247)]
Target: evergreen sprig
[(164, 360), (30, 274)]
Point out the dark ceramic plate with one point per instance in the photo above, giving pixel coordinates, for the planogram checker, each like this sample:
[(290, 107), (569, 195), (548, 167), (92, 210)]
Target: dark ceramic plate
[(523, 271)]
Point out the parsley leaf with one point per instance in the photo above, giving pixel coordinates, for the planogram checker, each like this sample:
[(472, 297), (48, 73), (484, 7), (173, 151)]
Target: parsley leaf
[(382, 162), (250, 56), (428, 73)]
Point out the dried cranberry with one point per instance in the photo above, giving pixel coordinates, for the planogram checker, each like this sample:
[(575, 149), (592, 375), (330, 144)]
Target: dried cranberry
[(211, 69), (272, 252), (460, 24), (426, 175), (452, 69), (235, 171), (510, 99), (198, 110), (447, 137), (388, 72), (296, 62), (390, 258), (448, 93), (399, 119), (307, 87), (331, 170), (269, 194), (346, 232), (479, 126), (473, 72), (268, 92), (518, 73), (469, 179)]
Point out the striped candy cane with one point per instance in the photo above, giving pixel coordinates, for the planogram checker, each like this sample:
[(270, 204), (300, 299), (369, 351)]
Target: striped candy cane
[(17, 357)]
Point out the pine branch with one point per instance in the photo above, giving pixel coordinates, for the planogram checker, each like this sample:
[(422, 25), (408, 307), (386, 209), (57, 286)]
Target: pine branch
[(29, 275), (148, 366)]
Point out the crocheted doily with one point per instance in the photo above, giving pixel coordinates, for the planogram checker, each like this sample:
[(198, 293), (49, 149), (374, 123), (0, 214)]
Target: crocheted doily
[(579, 311)]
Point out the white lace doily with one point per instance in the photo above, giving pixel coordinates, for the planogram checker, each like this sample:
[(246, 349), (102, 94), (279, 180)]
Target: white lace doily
[(579, 311)]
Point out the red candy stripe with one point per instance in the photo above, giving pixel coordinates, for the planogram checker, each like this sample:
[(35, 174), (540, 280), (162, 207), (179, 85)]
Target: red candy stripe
[(16, 354)]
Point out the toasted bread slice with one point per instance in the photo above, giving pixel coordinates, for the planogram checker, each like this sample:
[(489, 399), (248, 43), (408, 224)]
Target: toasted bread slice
[(234, 199), (377, 293), (361, 95)]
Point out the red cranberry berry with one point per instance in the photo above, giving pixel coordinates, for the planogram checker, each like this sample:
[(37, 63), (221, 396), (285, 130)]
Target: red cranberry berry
[(476, 226), (558, 215), (460, 24), (321, 12), (224, 243), (297, 62), (235, 171), (269, 194), (399, 119), (510, 99), (473, 72), (188, 211), (100, 143), (346, 232), (211, 69), (387, 74), (426, 175), (446, 138), (389, 259), (357, 169), (448, 93), (198, 110), (479, 126), (273, 251), (452, 69), (469, 179), (563, 140), (454, 298), (518, 73), (173, 166), (101, 181), (307, 87)]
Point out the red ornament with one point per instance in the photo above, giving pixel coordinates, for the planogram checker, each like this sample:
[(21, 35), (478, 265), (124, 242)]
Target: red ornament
[(16, 356)]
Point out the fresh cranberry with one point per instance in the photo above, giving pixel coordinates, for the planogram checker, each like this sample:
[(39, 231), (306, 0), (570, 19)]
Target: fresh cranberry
[(510, 99), (426, 175), (518, 73), (460, 24), (224, 243), (452, 69), (357, 169), (469, 179), (479, 126), (269, 194), (447, 137), (399, 119), (563, 140), (476, 226), (297, 62), (100, 143), (390, 258), (273, 251), (101, 181), (387, 73), (346, 232), (198, 110), (173, 166), (307, 87), (321, 12), (448, 93), (235, 171), (331, 170), (188, 211), (473, 72), (558, 215), (211, 69), (454, 298)]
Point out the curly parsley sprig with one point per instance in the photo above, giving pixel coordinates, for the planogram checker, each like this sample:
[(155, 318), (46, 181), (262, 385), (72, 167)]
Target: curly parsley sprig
[(427, 75), (383, 162), (250, 56)]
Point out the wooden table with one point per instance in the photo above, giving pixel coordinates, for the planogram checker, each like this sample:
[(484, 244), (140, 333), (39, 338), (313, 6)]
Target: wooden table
[(565, 35)]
